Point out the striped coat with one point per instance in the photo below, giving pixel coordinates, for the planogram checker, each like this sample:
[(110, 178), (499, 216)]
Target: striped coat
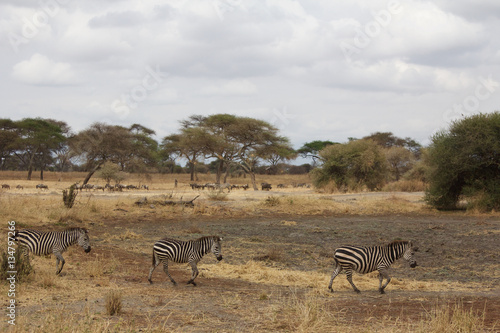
[(364, 260), (56, 242), (184, 252)]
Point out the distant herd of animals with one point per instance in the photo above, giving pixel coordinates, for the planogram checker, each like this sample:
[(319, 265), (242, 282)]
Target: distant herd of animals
[(88, 187), (194, 186), (348, 258), (229, 187)]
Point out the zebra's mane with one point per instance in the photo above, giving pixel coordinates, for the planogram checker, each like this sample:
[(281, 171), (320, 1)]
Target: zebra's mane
[(398, 242), (76, 229), (216, 238)]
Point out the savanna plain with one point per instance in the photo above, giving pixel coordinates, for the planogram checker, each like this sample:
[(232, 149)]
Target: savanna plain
[(278, 250)]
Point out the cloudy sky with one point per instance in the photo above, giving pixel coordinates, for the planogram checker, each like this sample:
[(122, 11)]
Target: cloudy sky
[(316, 69)]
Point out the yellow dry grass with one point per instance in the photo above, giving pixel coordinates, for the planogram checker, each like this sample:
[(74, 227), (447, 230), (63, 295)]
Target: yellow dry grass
[(306, 308), (257, 272)]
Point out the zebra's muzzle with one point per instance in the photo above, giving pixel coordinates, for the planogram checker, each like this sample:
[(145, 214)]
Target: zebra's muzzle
[(219, 258), (413, 265), (87, 250)]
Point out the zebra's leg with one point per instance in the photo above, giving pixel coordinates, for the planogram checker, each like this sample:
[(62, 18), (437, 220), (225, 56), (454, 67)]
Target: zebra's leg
[(383, 273), (165, 269), (336, 272), (194, 274), (349, 278), (60, 258), (155, 263)]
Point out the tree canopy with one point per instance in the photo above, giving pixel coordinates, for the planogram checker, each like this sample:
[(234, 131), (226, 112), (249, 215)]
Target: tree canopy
[(464, 161)]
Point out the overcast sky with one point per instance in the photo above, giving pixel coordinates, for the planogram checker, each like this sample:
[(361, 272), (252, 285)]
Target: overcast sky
[(316, 69)]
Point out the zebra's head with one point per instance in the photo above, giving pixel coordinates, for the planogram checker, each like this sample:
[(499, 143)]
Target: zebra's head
[(83, 240), (409, 254), (216, 247)]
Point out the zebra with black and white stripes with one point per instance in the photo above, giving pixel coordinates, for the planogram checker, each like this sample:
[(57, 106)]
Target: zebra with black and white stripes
[(184, 252), (56, 242), (368, 259)]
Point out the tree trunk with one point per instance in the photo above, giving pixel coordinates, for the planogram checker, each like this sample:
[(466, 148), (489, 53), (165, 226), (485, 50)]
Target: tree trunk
[(30, 166), (226, 174), (41, 173), (219, 171), (254, 183), (191, 167), (90, 174)]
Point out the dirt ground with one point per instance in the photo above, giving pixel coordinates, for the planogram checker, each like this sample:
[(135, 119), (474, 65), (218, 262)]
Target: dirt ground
[(458, 258)]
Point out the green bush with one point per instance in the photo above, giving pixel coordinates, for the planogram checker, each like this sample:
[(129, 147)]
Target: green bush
[(464, 163), (352, 166)]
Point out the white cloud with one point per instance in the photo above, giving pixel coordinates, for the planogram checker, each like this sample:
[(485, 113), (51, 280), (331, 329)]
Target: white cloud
[(40, 70), (232, 87), (250, 57)]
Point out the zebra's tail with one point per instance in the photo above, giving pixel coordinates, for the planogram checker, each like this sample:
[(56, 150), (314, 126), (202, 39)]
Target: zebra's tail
[(337, 264), (154, 259)]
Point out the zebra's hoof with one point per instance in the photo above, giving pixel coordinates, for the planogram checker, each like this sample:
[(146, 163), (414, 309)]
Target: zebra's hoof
[(150, 282), (382, 291), (357, 291)]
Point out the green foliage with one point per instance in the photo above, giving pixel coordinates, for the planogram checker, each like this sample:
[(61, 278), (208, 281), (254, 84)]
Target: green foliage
[(23, 267), (351, 166), (69, 196), (465, 161), (109, 171)]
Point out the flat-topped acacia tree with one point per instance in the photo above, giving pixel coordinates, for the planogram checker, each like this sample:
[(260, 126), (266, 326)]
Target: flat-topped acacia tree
[(230, 139)]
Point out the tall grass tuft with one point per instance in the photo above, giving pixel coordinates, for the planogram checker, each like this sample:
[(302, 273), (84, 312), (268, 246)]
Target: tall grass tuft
[(113, 302), (69, 196)]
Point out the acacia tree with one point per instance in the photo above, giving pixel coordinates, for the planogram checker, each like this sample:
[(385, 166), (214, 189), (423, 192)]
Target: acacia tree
[(36, 140), (242, 141), (465, 161), (253, 140), (8, 137), (312, 149), (189, 144), (277, 154), (101, 143)]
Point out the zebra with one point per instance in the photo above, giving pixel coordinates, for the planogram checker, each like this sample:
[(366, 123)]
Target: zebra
[(368, 259), (56, 242), (184, 252)]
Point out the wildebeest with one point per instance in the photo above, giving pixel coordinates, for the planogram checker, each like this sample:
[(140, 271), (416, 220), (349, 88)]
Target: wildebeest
[(6, 186), (266, 186), (42, 186)]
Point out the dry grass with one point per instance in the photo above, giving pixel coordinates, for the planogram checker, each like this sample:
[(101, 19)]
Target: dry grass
[(451, 319), (309, 313), (85, 295), (259, 272), (113, 301)]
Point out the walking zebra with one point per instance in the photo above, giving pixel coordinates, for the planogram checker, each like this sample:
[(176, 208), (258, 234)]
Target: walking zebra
[(368, 259), (184, 252), (56, 242)]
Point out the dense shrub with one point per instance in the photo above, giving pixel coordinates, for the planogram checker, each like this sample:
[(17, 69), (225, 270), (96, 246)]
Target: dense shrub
[(464, 162), (352, 166)]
